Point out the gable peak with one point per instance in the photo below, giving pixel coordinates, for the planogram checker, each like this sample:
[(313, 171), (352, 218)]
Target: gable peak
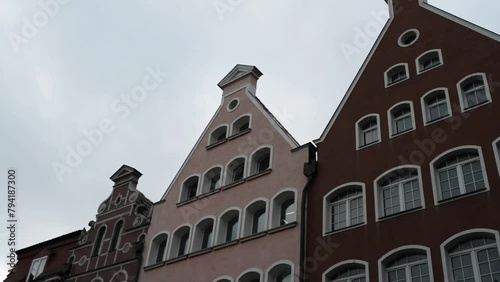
[(237, 73)]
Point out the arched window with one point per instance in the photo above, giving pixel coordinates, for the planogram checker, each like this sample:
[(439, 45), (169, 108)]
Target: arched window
[(228, 226), (401, 118), (436, 105), (250, 276), (212, 180), (235, 171), (473, 91), (98, 242), (368, 131), (429, 60), (406, 264), (117, 233), (157, 252), (255, 218), (398, 190), (347, 271), (189, 188), (284, 209), (180, 242), (345, 207), (473, 256), (218, 135), (203, 234), (458, 172), (260, 161), (281, 272), (240, 125), (396, 74)]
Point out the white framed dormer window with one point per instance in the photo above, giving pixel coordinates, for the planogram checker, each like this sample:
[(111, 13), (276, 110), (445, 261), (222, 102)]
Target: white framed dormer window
[(241, 124), (398, 190), (458, 172), (473, 91), (405, 264), (429, 60), (368, 131), (158, 249), (189, 188), (401, 118), (228, 226), (219, 134), (284, 208), (472, 255), (260, 160), (435, 105), (280, 271), (204, 234), (255, 217), (235, 170), (37, 266), (179, 245), (212, 180), (496, 150), (344, 207), (396, 74), (347, 271)]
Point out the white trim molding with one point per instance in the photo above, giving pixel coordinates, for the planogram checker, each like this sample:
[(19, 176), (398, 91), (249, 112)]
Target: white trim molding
[(423, 103), (419, 65), (461, 93), (400, 251), (358, 130), (347, 262)]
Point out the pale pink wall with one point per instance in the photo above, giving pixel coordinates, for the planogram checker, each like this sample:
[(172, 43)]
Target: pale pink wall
[(260, 252)]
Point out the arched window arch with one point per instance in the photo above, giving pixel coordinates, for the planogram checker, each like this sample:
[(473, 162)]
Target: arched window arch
[(284, 208), (281, 271), (396, 74), (368, 131), (189, 188), (347, 271), (204, 234), (235, 170), (472, 255), (436, 105), (250, 275), (428, 60), (218, 135), (224, 279), (398, 190), (407, 263), (344, 207), (401, 118), (457, 172), (179, 245), (158, 249), (473, 91), (98, 242), (212, 179), (228, 226), (241, 124), (255, 217), (261, 160), (117, 233)]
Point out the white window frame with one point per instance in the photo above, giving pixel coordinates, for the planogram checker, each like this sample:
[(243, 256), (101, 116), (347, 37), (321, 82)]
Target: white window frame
[(445, 258), (404, 33), (275, 207), (347, 262), (236, 120), (42, 259), (461, 93), (419, 63), (327, 228), (210, 140), (391, 120), (228, 170), (182, 191), (205, 186), (250, 270), (152, 260), (253, 164), (386, 75), (379, 195), (425, 111), (248, 217), (198, 234), (174, 244), (496, 152), (220, 234), (358, 131), (269, 275), (434, 177), (382, 271)]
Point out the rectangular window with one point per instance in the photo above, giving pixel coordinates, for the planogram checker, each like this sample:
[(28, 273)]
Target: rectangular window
[(37, 267)]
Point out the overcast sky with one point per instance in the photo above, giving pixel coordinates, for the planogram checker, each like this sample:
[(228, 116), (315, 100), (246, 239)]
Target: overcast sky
[(70, 71)]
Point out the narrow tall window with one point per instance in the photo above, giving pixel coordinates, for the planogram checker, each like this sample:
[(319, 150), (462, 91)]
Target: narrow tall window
[(203, 234), (117, 233), (183, 244), (259, 221), (180, 242), (207, 237), (157, 249), (161, 251), (98, 241), (232, 229)]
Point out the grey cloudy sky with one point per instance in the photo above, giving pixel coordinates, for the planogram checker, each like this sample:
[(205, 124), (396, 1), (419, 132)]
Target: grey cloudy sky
[(69, 72)]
